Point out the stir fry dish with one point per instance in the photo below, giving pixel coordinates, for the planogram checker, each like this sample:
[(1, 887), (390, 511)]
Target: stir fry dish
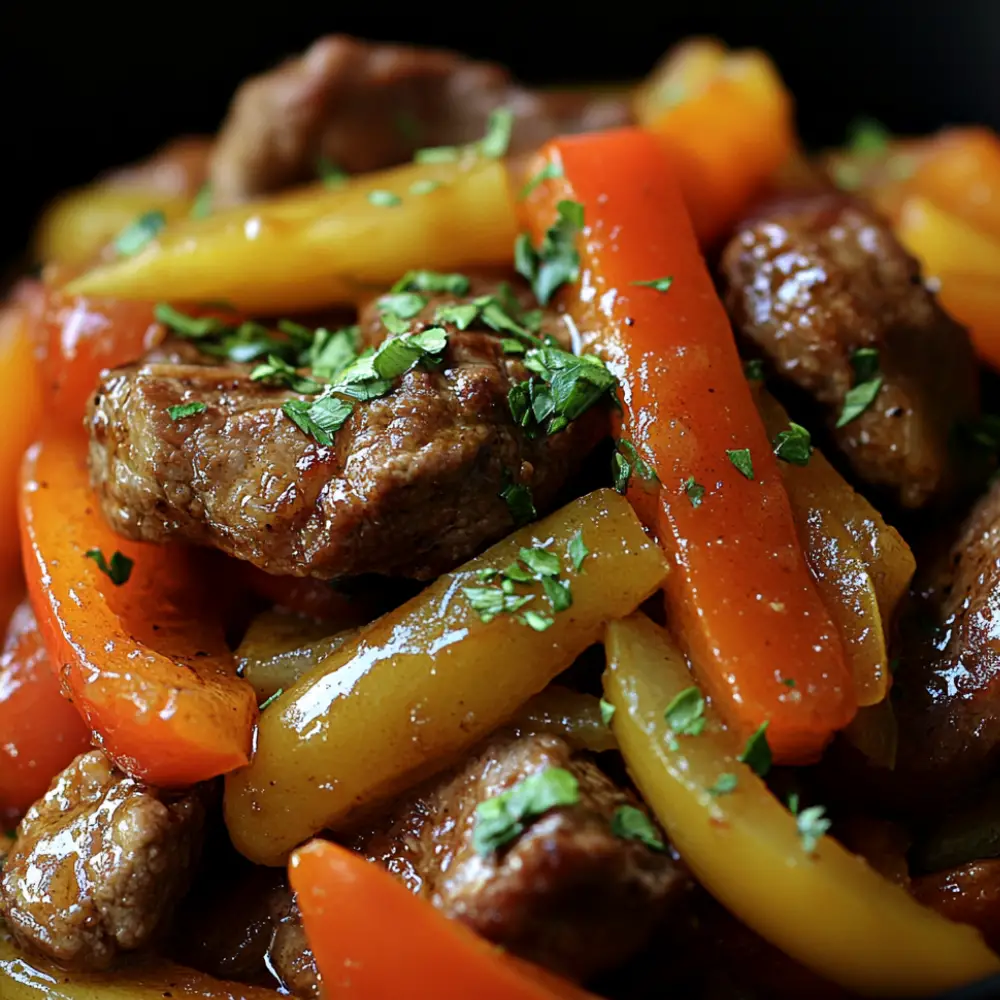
[(479, 541)]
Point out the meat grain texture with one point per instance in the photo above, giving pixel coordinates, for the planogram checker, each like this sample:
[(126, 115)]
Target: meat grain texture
[(810, 280), (363, 106), (99, 864), (411, 486)]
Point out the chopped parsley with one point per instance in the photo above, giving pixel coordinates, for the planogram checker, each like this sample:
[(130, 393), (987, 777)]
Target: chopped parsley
[(404, 305), (275, 371), (558, 593), (577, 551), (625, 461), (695, 491), (788, 681), (812, 824), (724, 785), (320, 418), (868, 136), (607, 712), (657, 284), (867, 383), (550, 171), (117, 571), (754, 370), (520, 503), (631, 823), (461, 315), (757, 754), (242, 343), (139, 233), (488, 602), (331, 351), (182, 410), (537, 620), (685, 715), (541, 562), (270, 701), (434, 282), (201, 207), (331, 174), (742, 462), (556, 262), (424, 186), (793, 445), (492, 146), (503, 818), (384, 199)]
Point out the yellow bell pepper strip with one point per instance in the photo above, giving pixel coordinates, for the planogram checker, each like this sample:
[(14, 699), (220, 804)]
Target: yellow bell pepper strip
[(426, 682), (740, 591), (29, 977), (975, 300), (318, 246), (944, 243), (351, 907), (797, 888), (131, 631), (849, 547), (725, 121)]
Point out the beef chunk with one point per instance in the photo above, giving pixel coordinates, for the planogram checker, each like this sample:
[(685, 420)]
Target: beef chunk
[(289, 956), (365, 106), (810, 280), (98, 865), (411, 486), (567, 893), (947, 688)]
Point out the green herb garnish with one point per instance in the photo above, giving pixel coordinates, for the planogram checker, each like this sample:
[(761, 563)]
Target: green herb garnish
[(577, 551), (182, 410), (685, 715), (754, 370), (812, 824), (793, 445), (657, 284), (117, 571), (270, 701), (320, 418), (275, 371), (139, 233), (742, 462), (520, 503), (424, 187), (695, 491), (868, 136), (631, 823), (556, 262), (757, 754), (503, 818), (384, 199), (724, 785), (550, 171), (331, 174), (607, 712), (433, 282), (868, 382), (201, 207)]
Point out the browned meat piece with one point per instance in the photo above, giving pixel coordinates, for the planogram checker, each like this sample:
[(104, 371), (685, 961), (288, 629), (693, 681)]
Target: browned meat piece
[(99, 864), (969, 895), (289, 956), (178, 168), (567, 893), (366, 106), (411, 486), (809, 281), (947, 687)]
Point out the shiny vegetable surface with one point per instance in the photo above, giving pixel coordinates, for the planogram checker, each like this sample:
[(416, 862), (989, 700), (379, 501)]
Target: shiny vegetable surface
[(573, 715), (825, 907), (853, 554), (427, 681), (318, 246), (145, 658), (944, 243), (350, 907), (725, 121), (740, 592), (975, 300), (25, 977), (42, 731)]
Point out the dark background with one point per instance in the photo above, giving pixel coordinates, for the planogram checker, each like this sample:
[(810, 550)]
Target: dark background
[(88, 85)]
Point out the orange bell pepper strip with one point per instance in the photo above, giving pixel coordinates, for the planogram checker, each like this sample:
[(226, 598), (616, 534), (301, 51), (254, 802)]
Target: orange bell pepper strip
[(740, 593), (725, 121), (351, 908), (975, 300), (146, 664), (40, 731)]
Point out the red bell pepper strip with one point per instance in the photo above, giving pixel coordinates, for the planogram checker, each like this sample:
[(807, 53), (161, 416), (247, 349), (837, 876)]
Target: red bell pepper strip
[(373, 938), (146, 661), (740, 595), (40, 731)]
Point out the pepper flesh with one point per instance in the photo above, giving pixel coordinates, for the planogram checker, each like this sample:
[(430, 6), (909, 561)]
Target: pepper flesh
[(148, 669), (740, 592), (829, 910)]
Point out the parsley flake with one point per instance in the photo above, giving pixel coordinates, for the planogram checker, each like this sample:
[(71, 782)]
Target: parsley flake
[(630, 823), (182, 410), (607, 712), (556, 262), (139, 233), (657, 284), (628, 460), (742, 462), (201, 207), (793, 445), (404, 305), (537, 620), (267, 702), (724, 785), (117, 571), (550, 171), (868, 382), (568, 385), (434, 282), (577, 551), (499, 127), (558, 593), (320, 418), (424, 186), (503, 818), (812, 824), (488, 602), (685, 715), (540, 561), (520, 503), (384, 199), (276, 371), (757, 754), (754, 370), (695, 491), (868, 136), (331, 351), (331, 174)]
